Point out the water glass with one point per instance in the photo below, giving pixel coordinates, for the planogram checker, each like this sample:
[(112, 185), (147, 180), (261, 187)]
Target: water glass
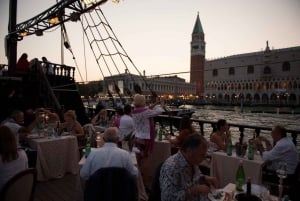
[(265, 193)]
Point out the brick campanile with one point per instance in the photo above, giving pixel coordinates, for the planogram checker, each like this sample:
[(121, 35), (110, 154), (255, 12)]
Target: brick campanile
[(197, 57)]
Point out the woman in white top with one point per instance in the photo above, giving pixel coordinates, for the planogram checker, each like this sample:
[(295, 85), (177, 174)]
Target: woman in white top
[(12, 160)]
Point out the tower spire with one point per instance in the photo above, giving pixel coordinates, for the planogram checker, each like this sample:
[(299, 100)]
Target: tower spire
[(198, 26)]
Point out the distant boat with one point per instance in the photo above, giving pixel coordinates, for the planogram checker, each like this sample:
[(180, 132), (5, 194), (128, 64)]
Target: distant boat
[(179, 111)]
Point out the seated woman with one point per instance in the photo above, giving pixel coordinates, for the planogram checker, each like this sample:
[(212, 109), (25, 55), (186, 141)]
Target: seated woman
[(12, 160), (71, 125), (185, 128), (220, 137), (101, 119)]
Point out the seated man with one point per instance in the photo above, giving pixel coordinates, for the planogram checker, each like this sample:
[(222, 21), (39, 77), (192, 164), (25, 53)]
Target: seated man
[(108, 156), (284, 150), (180, 178)]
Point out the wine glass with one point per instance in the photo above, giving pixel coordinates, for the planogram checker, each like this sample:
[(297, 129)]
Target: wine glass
[(282, 174)]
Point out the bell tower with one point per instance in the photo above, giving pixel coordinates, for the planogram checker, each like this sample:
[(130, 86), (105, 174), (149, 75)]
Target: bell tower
[(197, 57)]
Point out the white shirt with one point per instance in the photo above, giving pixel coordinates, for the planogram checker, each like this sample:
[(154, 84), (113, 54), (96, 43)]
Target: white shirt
[(10, 169), (14, 127), (107, 156), (126, 126), (284, 150), (142, 122)]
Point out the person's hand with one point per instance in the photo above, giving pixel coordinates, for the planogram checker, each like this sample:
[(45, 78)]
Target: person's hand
[(212, 181)]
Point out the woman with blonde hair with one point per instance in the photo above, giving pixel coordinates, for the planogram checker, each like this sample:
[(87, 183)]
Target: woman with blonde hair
[(145, 131), (100, 119), (12, 159), (71, 125)]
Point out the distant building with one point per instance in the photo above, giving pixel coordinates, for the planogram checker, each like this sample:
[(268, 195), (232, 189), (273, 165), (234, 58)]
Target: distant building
[(264, 77), (163, 86)]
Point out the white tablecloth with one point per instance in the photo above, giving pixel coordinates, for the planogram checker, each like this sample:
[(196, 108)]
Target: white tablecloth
[(224, 168), (55, 156)]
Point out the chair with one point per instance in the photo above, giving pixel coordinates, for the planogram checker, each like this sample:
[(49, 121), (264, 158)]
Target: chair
[(111, 184), (294, 192), (155, 193), (20, 187), (270, 179)]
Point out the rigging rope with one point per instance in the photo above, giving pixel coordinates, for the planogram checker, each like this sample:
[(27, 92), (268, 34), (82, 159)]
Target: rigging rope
[(68, 46), (101, 45)]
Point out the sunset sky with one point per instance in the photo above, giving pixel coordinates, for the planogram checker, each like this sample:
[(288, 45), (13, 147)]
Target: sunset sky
[(156, 34)]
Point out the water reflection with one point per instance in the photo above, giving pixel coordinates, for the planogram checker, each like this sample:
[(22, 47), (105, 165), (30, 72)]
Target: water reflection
[(267, 117)]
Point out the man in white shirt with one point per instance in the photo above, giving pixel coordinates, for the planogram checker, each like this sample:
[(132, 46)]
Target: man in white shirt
[(108, 156), (284, 150)]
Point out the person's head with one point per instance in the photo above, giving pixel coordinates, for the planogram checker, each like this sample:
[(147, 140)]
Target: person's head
[(139, 100), (23, 56), (70, 115), (44, 59), (278, 132), (8, 144), (222, 125), (111, 134), (194, 148), (185, 123), (120, 111), (127, 109), (18, 116), (103, 113)]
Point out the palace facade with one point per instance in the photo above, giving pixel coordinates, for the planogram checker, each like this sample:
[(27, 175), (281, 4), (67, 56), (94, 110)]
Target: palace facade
[(266, 77), (271, 76)]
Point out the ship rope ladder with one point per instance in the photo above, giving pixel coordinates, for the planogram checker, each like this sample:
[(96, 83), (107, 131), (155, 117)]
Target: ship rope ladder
[(108, 51)]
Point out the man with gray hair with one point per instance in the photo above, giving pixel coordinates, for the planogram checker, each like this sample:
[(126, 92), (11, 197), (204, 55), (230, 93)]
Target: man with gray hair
[(108, 156)]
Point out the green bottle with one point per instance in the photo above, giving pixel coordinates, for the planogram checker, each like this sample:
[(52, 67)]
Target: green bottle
[(87, 148), (251, 150), (160, 134), (229, 147), (240, 178)]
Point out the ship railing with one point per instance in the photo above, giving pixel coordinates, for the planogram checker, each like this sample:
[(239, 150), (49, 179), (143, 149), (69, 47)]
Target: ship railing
[(172, 123)]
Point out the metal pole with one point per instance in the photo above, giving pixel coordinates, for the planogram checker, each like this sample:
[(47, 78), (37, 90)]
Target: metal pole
[(11, 40)]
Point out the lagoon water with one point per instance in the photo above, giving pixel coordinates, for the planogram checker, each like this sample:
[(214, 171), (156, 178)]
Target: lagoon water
[(267, 117)]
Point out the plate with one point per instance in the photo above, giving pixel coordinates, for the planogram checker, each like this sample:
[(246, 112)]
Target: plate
[(218, 195), (34, 136)]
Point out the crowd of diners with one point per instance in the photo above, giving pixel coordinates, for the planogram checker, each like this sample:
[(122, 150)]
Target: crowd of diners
[(180, 177)]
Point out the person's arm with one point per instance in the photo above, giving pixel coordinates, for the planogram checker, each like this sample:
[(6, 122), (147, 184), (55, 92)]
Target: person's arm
[(33, 124), (94, 119), (218, 141), (78, 130), (85, 171)]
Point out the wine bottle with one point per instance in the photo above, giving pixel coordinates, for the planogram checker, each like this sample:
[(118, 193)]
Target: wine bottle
[(229, 146), (240, 177), (248, 192)]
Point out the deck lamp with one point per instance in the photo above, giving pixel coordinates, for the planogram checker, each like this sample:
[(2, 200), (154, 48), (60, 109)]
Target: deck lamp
[(54, 20), (23, 33)]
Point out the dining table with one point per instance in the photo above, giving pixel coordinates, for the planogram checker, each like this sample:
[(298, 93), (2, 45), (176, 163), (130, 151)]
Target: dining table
[(56, 156), (224, 167)]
